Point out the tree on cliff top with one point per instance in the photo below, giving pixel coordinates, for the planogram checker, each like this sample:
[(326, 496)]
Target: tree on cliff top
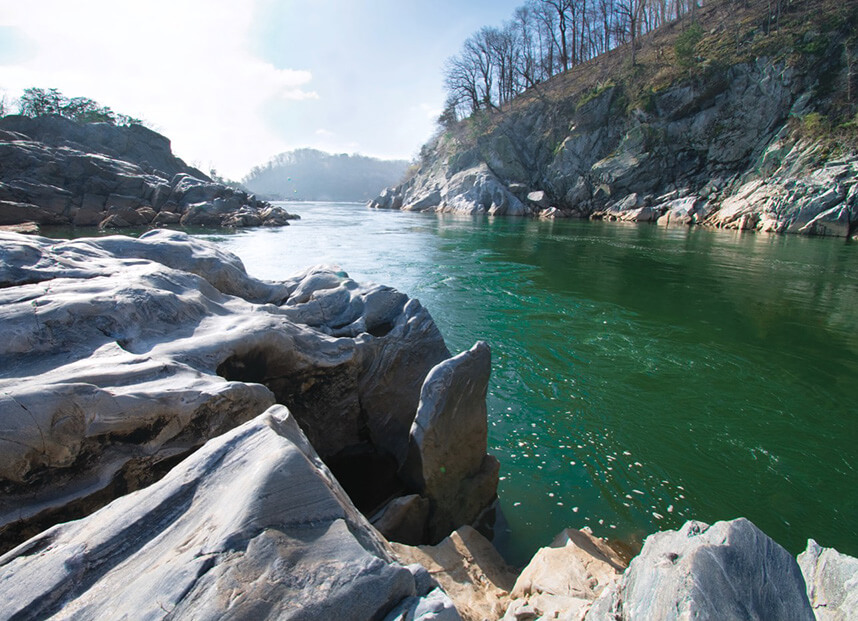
[(36, 102)]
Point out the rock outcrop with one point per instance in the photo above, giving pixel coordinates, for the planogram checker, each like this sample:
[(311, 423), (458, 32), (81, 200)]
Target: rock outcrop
[(469, 570), (564, 579), (832, 582), (730, 570), (59, 172), (720, 145), (452, 405), (121, 356), (288, 544)]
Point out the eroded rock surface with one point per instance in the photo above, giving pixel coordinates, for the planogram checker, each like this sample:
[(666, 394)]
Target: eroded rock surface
[(253, 525), (730, 570), (832, 582), (563, 580), (123, 355)]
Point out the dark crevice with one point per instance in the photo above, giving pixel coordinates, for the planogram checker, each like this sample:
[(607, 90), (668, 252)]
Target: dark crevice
[(382, 329), (136, 474), (368, 474)]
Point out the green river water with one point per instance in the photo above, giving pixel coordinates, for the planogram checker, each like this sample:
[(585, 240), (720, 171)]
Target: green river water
[(642, 376)]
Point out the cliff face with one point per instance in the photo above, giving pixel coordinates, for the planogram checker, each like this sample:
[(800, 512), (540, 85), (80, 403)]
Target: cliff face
[(724, 143), (57, 171)]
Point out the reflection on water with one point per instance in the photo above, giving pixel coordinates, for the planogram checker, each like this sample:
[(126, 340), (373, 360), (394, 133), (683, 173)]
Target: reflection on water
[(641, 375)]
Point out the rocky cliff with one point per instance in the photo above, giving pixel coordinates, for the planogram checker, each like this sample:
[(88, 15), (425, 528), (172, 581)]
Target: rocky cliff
[(59, 172), (756, 133)]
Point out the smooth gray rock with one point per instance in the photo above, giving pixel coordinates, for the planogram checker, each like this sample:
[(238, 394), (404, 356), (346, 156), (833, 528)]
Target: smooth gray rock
[(832, 582), (430, 603), (458, 477), (253, 525), (730, 570), (120, 355)]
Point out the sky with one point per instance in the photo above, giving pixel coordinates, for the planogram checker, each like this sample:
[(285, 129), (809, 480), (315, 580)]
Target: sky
[(234, 83)]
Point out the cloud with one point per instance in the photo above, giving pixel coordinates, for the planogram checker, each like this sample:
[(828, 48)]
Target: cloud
[(184, 66)]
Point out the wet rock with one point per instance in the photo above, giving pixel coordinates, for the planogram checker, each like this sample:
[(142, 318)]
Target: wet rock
[(832, 582), (288, 544)]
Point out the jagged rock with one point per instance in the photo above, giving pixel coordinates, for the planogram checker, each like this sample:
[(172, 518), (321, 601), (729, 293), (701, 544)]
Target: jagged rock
[(120, 355), (562, 581), (832, 582), (726, 139), (730, 570), (834, 222), (459, 481), (678, 211), (469, 570), (57, 171), (287, 545), (166, 218)]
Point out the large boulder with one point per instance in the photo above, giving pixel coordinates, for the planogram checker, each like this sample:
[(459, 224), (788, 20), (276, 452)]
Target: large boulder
[(122, 355), (832, 582), (459, 478), (469, 569), (730, 570), (562, 580), (288, 544)]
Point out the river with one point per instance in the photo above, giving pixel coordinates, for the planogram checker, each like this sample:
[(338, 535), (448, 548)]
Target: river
[(642, 375)]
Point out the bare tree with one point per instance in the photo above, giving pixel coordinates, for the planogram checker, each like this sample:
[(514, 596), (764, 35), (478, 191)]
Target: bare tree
[(631, 11)]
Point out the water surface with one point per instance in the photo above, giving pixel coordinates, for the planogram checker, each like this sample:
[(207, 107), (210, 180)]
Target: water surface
[(642, 376)]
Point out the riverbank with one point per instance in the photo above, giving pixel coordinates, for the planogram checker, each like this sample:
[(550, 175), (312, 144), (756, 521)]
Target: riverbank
[(754, 130)]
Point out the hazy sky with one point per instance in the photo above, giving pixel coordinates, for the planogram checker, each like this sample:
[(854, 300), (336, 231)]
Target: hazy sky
[(234, 83)]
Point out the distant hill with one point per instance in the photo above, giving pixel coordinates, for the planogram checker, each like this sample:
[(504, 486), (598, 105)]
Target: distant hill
[(308, 174)]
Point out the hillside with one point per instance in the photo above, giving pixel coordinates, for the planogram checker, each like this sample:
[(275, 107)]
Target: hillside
[(308, 174), (59, 171), (742, 119)]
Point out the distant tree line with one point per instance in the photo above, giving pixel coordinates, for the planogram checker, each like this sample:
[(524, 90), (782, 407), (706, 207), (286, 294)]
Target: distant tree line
[(35, 102), (544, 38), (308, 174)]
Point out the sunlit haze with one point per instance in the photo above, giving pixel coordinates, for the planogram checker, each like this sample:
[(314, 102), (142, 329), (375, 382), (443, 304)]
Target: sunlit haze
[(232, 84)]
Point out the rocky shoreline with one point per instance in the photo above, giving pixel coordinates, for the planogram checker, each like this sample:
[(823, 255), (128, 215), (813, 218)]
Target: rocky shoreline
[(298, 449), (722, 149), (54, 171)]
